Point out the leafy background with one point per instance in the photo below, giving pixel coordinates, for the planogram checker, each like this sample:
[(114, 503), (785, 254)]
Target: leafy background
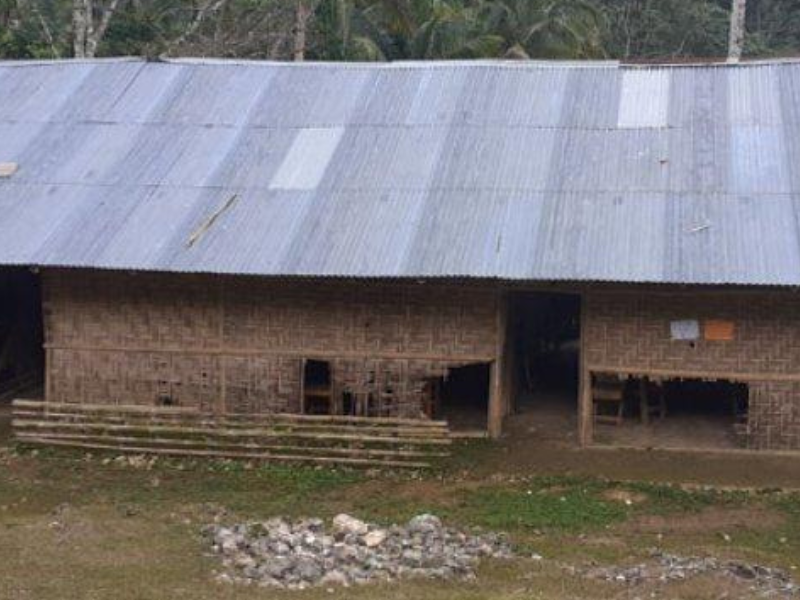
[(401, 29)]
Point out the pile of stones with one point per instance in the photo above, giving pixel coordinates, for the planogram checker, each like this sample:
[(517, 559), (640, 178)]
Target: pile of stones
[(764, 581), (305, 553)]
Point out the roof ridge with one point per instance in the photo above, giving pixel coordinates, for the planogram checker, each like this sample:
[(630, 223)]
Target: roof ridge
[(44, 62), (414, 64)]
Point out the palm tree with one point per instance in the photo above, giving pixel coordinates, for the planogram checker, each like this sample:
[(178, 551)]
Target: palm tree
[(412, 29), (545, 28)]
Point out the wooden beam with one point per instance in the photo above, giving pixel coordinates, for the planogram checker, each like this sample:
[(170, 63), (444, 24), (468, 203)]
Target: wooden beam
[(193, 412), (222, 424), (231, 446), (585, 408), (497, 395), (260, 432), (743, 377), (221, 405), (288, 353), (185, 452), (585, 404)]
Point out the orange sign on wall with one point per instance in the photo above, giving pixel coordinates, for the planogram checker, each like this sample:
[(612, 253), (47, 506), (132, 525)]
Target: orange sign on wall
[(718, 330)]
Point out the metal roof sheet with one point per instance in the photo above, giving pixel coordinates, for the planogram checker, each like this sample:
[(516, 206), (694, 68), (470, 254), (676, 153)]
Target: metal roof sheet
[(504, 170)]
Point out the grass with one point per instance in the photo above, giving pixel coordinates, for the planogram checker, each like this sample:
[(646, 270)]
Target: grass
[(568, 508), (78, 527), (669, 499)]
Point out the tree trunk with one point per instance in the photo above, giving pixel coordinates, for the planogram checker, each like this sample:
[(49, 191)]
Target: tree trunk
[(95, 35), (85, 37), (211, 6), (302, 15), (81, 13), (736, 32)]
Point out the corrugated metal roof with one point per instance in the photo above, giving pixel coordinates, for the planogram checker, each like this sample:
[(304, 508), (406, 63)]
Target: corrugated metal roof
[(507, 170)]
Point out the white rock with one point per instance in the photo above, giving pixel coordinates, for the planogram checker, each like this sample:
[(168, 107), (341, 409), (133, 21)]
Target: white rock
[(346, 524), (375, 538), (334, 578), (424, 523), (302, 554)]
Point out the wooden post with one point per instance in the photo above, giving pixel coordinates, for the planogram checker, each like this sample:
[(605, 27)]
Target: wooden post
[(44, 308), (48, 377), (510, 364), (222, 402), (644, 401), (585, 407), (303, 363), (498, 396)]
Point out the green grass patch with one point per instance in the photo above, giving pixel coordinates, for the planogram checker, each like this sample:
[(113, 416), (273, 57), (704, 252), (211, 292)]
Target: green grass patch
[(664, 499), (251, 490), (569, 509)]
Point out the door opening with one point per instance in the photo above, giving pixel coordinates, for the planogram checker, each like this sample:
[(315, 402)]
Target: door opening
[(462, 397), (21, 335), (545, 338), (317, 388)]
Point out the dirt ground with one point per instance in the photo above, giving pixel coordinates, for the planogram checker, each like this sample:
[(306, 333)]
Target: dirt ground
[(543, 439), (100, 526)]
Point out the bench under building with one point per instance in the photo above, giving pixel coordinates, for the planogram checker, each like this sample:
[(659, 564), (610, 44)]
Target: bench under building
[(609, 249)]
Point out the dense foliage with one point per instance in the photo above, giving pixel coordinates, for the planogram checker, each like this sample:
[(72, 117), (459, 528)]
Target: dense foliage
[(397, 29)]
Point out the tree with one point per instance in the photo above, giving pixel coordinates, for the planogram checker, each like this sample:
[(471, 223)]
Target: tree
[(232, 28), (406, 29), (736, 32), (90, 22), (395, 29), (664, 28), (545, 28)]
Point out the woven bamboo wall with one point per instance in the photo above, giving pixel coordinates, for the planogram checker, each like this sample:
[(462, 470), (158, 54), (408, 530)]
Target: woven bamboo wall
[(774, 418), (631, 331), (236, 344)]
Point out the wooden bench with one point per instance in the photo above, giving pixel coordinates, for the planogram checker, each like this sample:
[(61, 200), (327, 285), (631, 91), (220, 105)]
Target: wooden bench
[(608, 400)]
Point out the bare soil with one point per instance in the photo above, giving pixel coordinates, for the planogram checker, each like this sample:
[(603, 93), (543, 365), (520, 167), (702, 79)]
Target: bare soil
[(543, 440), (715, 520), (76, 527)]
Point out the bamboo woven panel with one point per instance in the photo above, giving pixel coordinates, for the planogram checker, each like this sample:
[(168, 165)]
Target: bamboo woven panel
[(117, 311), (388, 388), (632, 331), (355, 317), (236, 344), (262, 384), (774, 416)]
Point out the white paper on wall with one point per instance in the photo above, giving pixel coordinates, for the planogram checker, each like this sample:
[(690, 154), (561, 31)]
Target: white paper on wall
[(686, 329)]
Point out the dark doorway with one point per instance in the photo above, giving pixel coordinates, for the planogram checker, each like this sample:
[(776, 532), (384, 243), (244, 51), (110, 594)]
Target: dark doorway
[(317, 388), (677, 413), (462, 397), (544, 332), (21, 335)]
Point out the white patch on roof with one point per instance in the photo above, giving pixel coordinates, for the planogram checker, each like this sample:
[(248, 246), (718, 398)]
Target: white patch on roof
[(754, 97), (307, 159), (644, 98)]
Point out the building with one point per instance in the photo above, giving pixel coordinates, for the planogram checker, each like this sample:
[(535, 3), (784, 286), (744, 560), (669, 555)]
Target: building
[(408, 240)]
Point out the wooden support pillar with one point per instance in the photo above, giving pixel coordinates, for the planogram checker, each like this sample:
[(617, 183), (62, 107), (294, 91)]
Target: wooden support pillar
[(585, 403), (221, 406), (585, 408), (498, 393), (48, 377), (44, 307)]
